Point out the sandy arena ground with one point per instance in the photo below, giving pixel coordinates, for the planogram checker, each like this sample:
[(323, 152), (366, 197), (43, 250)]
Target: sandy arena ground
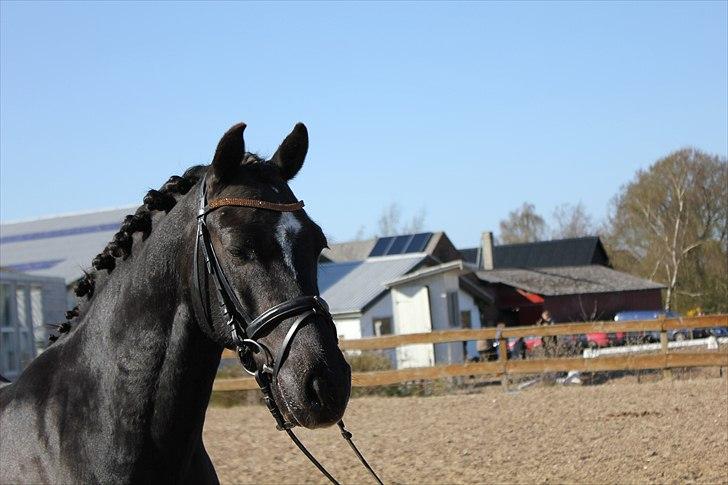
[(663, 432)]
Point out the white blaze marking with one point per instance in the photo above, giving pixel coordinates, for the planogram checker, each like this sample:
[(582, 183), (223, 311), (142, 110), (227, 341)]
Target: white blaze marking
[(288, 228)]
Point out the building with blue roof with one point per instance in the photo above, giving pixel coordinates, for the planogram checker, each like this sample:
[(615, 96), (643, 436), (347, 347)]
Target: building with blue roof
[(61, 246)]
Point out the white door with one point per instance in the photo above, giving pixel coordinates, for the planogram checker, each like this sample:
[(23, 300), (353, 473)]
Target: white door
[(412, 307)]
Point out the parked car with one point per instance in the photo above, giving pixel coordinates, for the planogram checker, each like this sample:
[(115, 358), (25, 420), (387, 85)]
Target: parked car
[(718, 332), (650, 336), (684, 334), (567, 343), (604, 339), (530, 343)]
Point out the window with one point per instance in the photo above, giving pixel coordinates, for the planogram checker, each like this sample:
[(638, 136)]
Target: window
[(40, 335), (22, 304), (8, 333), (5, 303), (25, 352), (465, 319), (453, 309), (383, 326), (21, 316), (7, 357)]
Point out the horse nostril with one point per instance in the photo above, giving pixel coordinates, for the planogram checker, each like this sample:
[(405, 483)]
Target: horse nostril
[(323, 395), (316, 390)]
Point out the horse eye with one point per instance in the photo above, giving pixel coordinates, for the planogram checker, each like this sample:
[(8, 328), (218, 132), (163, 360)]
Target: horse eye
[(244, 253)]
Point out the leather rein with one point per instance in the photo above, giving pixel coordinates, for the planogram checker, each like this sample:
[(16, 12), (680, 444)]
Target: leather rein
[(245, 330)]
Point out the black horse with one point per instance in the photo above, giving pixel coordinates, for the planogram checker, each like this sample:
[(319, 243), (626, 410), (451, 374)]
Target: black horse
[(121, 396)]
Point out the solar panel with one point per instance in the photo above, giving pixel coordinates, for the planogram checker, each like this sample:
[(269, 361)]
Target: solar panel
[(409, 243), (418, 242), (399, 244), (380, 248)]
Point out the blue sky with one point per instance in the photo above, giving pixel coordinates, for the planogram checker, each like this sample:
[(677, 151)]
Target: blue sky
[(464, 109)]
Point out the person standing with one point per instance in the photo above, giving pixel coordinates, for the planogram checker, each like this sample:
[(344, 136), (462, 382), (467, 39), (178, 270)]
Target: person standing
[(549, 342)]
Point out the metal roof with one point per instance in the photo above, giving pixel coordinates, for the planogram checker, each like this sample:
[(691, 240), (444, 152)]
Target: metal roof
[(426, 273), (570, 280), (363, 283), (59, 246), (349, 251), (12, 275), (544, 254), (330, 273)]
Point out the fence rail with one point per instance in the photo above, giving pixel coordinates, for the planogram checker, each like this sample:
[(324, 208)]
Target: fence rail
[(503, 367)]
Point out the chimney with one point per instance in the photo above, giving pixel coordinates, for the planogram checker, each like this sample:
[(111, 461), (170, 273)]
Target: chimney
[(486, 250)]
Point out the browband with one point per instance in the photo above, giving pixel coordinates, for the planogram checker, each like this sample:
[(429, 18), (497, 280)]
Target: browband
[(254, 203)]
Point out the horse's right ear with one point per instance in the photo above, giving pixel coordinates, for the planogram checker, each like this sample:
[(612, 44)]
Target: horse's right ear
[(230, 152)]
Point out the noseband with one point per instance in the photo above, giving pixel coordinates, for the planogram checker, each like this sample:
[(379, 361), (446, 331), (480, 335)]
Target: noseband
[(244, 330)]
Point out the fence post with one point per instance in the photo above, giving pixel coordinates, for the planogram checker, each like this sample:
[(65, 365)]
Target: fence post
[(502, 354), (666, 373)]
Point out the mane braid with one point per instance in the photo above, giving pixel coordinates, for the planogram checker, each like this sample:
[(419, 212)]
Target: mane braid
[(120, 247)]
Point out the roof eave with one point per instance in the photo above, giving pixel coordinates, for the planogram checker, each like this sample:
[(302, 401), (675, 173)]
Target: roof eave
[(456, 265)]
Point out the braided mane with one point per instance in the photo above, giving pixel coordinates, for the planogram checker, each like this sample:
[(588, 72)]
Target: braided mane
[(120, 247)]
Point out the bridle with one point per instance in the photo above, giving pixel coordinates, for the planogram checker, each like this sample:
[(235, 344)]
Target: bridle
[(244, 330)]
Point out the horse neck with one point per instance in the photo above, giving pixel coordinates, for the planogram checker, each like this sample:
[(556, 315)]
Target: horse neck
[(154, 362)]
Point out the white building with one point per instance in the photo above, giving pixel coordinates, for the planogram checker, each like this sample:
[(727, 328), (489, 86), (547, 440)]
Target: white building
[(404, 293), (435, 298), (28, 303), (59, 246)]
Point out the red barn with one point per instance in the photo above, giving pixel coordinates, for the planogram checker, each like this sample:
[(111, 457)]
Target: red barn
[(571, 278)]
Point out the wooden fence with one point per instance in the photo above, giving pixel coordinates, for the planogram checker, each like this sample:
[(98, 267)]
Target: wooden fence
[(503, 367)]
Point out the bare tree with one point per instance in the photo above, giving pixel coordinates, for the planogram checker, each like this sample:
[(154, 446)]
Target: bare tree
[(522, 225), (389, 221), (416, 224), (360, 233), (668, 212), (571, 221)]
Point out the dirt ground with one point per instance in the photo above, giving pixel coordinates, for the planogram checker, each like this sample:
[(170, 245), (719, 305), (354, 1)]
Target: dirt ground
[(671, 431)]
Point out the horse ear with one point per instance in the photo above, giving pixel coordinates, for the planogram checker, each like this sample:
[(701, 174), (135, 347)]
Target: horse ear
[(230, 152), (290, 155)]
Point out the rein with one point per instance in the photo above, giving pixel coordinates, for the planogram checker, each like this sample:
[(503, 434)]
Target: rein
[(245, 330)]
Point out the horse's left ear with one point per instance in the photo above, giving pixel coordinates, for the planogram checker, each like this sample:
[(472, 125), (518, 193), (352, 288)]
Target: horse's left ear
[(290, 155)]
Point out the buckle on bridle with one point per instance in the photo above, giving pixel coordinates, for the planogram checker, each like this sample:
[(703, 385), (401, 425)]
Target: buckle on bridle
[(321, 306), (246, 349)]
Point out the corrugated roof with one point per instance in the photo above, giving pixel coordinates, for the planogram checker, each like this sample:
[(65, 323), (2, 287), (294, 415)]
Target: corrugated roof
[(569, 280), (58, 246), (349, 251), (544, 254), (364, 283), (330, 273), (470, 255), (426, 273)]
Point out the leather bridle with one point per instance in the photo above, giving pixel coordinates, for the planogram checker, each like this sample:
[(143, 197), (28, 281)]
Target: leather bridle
[(244, 330)]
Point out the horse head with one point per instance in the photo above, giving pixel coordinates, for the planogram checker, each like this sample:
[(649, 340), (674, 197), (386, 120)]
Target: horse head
[(264, 250)]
